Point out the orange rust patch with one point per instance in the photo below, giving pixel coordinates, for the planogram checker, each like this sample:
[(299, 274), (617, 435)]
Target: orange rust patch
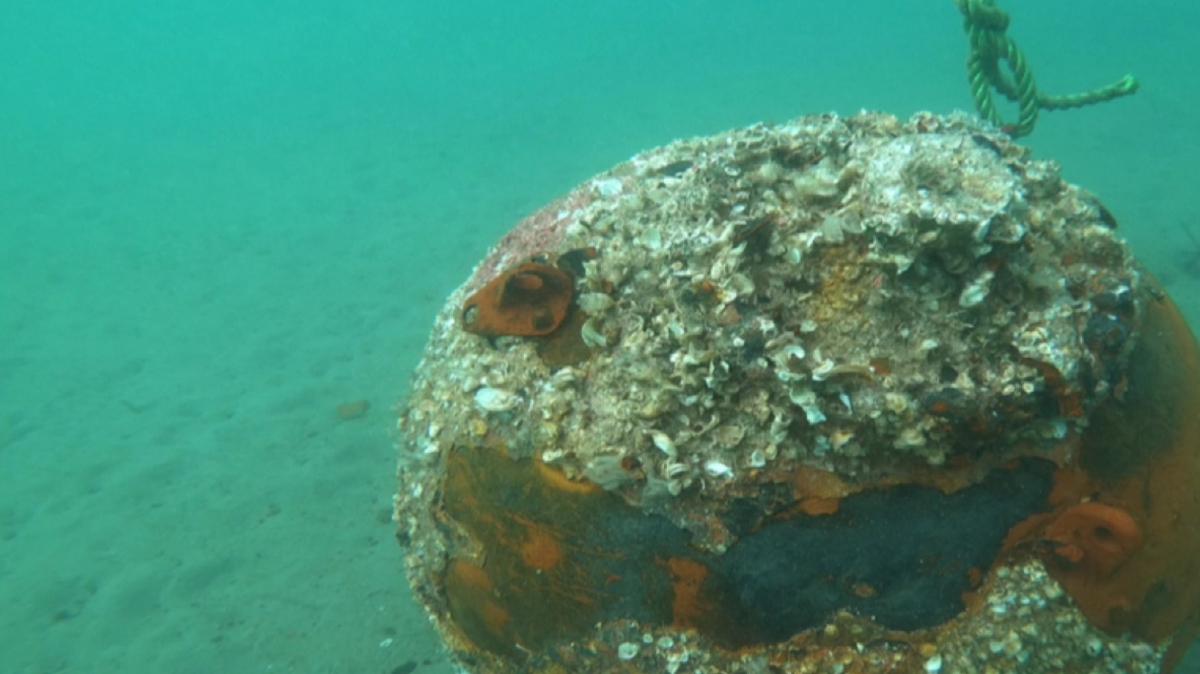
[(1095, 537), (555, 479), (1070, 402), (1121, 534), (543, 571), (529, 300), (864, 590), (940, 408), (820, 506), (689, 608), (541, 549), (469, 592), (975, 577), (814, 483), (816, 491)]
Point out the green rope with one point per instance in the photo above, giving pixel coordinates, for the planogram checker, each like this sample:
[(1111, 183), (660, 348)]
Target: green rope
[(986, 25)]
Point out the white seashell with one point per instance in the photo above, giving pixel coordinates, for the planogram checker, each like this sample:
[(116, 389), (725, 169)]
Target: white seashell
[(592, 336), (716, 468), (674, 469), (766, 326), (652, 239), (720, 269), (594, 303), (822, 370), (768, 172), (565, 376), (741, 284), (910, 438), (976, 291), (897, 403), (806, 399), (608, 187), (845, 398), (1059, 429), (814, 415), (789, 353), (758, 459), (833, 229), (663, 442), (628, 650), (491, 399)]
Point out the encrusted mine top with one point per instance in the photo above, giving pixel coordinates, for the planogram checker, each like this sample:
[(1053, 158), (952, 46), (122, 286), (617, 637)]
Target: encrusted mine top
[(878, 300)]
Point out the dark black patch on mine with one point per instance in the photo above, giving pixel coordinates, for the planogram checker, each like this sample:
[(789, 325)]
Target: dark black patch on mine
[(676, 168), (573, 261), (912, 546), (559, 560), (1125, 433), (635, 585), (1106, 215)]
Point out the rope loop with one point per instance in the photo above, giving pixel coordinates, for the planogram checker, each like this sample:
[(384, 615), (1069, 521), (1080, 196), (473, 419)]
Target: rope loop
[(986, 26)]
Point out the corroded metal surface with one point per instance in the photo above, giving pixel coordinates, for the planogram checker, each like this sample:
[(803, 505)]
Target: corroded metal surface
[(850, 393)]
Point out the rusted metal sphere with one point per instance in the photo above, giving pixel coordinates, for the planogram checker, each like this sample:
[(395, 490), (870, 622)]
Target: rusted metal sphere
[(854, 395)]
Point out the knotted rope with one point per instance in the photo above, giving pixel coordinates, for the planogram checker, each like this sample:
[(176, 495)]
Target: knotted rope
[(985, 25)]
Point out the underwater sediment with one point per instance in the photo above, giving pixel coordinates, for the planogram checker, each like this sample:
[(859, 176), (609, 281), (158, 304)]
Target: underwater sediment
[(841, 394)]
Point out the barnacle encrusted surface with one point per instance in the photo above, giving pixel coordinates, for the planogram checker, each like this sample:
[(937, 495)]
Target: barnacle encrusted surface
[(774, 323), (857, 295)]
